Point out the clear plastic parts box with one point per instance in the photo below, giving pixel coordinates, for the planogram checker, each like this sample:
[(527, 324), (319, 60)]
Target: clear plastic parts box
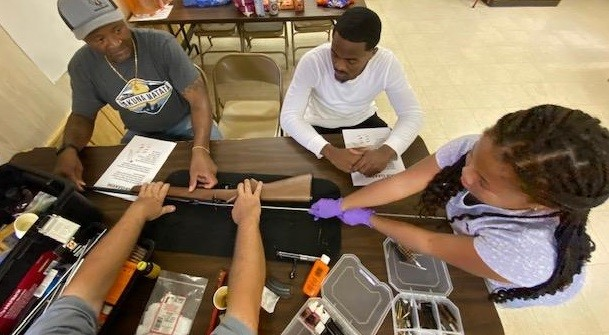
[(353, 297), (421, 306)]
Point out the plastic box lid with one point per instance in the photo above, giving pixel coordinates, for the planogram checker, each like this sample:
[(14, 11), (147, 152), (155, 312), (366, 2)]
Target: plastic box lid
[(405, 277), (357, 294)]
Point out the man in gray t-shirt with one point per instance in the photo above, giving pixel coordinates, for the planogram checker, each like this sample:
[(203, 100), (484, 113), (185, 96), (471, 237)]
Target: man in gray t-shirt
[(145, 75)]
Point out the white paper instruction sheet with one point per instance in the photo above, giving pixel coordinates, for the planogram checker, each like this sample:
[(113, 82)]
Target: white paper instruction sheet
[(137, 163), (371, 138)]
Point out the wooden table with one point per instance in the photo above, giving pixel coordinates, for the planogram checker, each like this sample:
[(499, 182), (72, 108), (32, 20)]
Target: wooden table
[(270, 156), (185, 17)]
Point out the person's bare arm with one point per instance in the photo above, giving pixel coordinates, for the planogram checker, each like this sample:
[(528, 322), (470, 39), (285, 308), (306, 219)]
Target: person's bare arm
[(248, 270), (202, 167), (396, 187), (457, 250), (102, 265), (77, 133)]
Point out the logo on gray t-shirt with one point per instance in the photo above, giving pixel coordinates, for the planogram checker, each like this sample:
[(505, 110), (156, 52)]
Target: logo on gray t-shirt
[(144, 96)]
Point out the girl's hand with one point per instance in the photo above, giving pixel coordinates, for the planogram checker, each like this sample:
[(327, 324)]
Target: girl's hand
[(357, 216), (326, 208)]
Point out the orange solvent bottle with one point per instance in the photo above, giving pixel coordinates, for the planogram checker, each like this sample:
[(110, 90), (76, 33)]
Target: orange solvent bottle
[(320, 269)]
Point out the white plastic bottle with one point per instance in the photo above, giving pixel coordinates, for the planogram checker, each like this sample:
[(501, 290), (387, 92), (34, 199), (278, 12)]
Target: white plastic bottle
[(274, 7)]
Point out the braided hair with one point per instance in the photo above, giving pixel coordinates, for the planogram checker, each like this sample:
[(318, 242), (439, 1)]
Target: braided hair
[(561, 159)]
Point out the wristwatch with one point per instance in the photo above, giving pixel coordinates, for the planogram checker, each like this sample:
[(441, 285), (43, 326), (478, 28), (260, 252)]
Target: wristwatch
[(67, 145)]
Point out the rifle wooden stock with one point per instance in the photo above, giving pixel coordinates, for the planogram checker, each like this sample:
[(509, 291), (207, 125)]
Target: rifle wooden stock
[(292, 189)]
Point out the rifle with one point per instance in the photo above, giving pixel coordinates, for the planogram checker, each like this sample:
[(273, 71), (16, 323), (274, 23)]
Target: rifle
[(294, 189), (291, 189)]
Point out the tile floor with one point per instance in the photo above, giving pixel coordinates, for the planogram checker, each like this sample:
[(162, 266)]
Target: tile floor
[(469, 66)]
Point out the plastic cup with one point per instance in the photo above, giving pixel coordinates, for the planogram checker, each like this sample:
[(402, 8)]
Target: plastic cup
[(221, 298), (23, 223)]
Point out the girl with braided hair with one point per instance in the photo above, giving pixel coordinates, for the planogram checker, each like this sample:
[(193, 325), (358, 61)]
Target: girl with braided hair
[(517, 198)]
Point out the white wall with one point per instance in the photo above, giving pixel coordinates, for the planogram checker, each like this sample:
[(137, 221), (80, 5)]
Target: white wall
[(31, 106)]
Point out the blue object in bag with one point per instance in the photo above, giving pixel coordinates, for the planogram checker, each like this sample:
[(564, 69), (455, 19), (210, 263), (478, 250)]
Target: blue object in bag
[(205, 3)]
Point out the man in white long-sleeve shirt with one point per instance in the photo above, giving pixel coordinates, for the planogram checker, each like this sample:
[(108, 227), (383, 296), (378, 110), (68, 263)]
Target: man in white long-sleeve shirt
[(334, 88)]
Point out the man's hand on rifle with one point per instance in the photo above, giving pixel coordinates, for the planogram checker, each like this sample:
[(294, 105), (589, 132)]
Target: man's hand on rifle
[(149, 203), (247, 206), (202, 170)]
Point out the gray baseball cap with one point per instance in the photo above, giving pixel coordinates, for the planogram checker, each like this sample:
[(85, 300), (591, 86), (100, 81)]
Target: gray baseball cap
[(84, 16)]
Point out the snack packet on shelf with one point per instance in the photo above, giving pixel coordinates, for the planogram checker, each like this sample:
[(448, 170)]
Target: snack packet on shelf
[(286, 4), (334, 3), (246, 7)]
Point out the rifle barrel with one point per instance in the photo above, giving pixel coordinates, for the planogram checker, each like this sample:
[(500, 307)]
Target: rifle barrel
[(285, 208), (109, 189), (305, 209), (129, 192)]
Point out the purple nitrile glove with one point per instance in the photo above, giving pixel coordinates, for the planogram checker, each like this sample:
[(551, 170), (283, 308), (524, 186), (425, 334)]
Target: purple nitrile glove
[(357, 216), (326, 208)]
